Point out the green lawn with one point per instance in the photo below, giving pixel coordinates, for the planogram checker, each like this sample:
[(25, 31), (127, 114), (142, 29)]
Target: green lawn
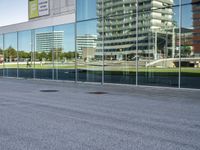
[(114, 69)]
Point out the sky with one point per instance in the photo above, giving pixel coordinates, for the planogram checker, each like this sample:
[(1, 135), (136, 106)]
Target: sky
[(186, 13), (13, 11)]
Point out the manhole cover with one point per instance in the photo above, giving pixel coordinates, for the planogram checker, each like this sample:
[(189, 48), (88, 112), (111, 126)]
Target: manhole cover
[(98, 93), (48, 91)]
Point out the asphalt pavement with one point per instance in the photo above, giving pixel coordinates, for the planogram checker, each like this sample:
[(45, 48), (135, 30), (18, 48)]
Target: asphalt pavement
[(49, 115)]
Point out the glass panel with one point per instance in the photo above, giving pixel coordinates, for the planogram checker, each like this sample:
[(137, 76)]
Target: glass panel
[(156, 48), (86, 9), (187, 2), (1, 55), (64, 52), (89, 66), (119, 41), (10, 54), (25, 54), (190, 45), (44, 42)]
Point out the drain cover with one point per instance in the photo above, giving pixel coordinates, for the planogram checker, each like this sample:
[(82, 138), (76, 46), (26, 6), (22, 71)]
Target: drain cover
[(98, 93), (49, 91)]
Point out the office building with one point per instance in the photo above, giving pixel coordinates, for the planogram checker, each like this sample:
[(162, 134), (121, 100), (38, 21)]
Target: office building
[(86, 43), (119, 28), (196, 25), (47, 41)]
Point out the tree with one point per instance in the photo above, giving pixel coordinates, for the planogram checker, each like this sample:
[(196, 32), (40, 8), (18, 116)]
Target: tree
[(185, 51), (10, 53), (1, 51), (23, 54), (69, 55), (41, 55)]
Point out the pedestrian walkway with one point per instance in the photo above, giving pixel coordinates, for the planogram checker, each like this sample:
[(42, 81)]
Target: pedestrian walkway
[(49, 115)]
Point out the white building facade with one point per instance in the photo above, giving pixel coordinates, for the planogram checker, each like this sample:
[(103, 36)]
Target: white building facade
[(47, 41)]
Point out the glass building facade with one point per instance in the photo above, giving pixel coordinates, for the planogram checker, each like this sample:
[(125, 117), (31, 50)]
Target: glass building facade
[(137, 42)]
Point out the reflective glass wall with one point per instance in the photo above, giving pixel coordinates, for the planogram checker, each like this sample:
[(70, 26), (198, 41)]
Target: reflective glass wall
[(118, 40), (64, 52), (156, 46), (155, 43), (25, 55), (46, 53), (1, 56), (43, 52), (190, 44), (145, 42), (89, 64), (10, 55)]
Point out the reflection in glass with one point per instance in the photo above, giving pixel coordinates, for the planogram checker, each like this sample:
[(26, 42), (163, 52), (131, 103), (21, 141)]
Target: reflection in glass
[(109, 43), (88, 65), (25, 55), (44, 43), (64, 52), (1, 55), (190, 46), (156, 51), (86, 9), (118, 31), (10, 55)]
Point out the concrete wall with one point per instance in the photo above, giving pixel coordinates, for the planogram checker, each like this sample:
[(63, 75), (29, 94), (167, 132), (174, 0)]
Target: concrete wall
[(53, 21)]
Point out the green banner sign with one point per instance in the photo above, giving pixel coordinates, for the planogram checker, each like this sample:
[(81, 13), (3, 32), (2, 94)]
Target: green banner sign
[(33, 9)]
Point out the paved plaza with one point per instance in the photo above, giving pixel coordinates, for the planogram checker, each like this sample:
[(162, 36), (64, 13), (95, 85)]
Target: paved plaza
[(49, 115)]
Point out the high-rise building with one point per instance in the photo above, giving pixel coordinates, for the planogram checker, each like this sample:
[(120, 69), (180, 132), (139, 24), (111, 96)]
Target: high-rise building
[(86, 43), (119, 28), (196, 25), (47, 41)]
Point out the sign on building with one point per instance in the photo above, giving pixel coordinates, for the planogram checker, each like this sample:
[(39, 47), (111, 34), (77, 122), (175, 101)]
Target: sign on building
[(38, 8)]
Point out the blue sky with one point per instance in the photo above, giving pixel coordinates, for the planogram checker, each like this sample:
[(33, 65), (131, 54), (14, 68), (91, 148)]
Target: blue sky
[(13, 11), (186, 13)]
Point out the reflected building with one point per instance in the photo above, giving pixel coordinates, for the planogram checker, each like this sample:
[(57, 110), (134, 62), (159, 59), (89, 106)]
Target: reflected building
[(196, 25), (46, 41), (86, 46), (186, 42), (119, 27)]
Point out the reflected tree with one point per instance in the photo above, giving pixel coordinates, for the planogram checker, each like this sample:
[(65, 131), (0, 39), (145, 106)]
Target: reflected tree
[(186, 51), (42, 55), (10, 53), (24, 54)]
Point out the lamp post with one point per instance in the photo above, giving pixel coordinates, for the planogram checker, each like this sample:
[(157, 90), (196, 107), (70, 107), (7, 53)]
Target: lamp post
[(156, 45), (155, 51), (136, 11), (173, 41)]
